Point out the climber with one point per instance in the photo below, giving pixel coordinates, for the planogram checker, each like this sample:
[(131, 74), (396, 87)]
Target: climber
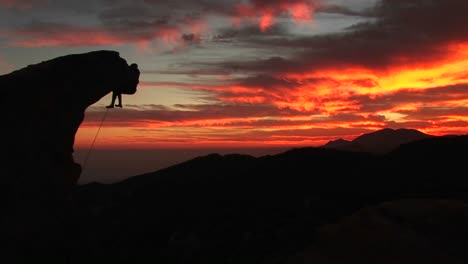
[(117, 92)]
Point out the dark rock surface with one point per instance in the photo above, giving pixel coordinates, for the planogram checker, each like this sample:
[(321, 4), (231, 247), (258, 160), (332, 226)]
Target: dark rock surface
[(42, 107)]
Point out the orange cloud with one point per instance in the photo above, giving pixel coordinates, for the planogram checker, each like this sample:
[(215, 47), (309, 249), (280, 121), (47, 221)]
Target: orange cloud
[(305, 108), (331, 91)]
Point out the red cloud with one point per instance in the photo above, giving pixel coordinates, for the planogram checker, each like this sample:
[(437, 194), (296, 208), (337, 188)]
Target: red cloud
[(265, 12)]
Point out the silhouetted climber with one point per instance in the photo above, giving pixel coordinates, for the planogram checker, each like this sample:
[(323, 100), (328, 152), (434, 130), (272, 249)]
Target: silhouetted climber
[(117, 92)]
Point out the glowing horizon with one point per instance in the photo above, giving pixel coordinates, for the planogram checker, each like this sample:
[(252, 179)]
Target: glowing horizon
[(259, 73)]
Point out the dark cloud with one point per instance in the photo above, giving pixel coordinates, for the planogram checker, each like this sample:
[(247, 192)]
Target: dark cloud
[(245, 33), (191, 38), (38, 33), (342, 10), (149, 20), (21, 4), (133, 18), (111, 22), (438, 114), (432, 98), (253, 116), (184, 113), (403, 33), (189, 72), (189, 6)]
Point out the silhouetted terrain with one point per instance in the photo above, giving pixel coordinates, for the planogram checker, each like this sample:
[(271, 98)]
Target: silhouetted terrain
[(307, 205), (240, 209), (379, 142)]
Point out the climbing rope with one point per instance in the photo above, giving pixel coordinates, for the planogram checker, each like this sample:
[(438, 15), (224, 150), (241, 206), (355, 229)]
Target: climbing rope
[(94, 141)]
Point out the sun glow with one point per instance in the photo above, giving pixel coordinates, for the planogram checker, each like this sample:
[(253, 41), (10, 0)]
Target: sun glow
[(330, 90)]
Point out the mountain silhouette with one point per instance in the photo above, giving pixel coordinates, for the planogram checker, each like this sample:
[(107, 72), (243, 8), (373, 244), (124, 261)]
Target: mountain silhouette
[(337, 144), (379, 142), (281, 208)]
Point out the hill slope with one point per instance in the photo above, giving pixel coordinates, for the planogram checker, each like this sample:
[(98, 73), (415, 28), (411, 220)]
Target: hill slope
[(241, 209), (379, 142)]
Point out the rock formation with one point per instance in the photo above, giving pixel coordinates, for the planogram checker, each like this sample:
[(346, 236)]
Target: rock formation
[(42, 107)]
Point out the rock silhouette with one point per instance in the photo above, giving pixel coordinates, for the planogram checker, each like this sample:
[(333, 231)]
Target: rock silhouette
[(42, 108)]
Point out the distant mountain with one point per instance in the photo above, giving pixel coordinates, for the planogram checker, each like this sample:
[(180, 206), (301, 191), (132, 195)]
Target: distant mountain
[(337, 144), (379, 142)]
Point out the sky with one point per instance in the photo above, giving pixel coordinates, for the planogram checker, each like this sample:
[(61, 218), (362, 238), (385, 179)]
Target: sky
[(257, 73)]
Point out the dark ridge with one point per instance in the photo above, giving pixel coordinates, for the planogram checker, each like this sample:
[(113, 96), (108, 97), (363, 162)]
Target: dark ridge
[(282, 207), (337, 144), (379, 142)]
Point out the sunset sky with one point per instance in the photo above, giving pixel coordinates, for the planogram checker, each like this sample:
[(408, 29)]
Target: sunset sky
[(247, 73)]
